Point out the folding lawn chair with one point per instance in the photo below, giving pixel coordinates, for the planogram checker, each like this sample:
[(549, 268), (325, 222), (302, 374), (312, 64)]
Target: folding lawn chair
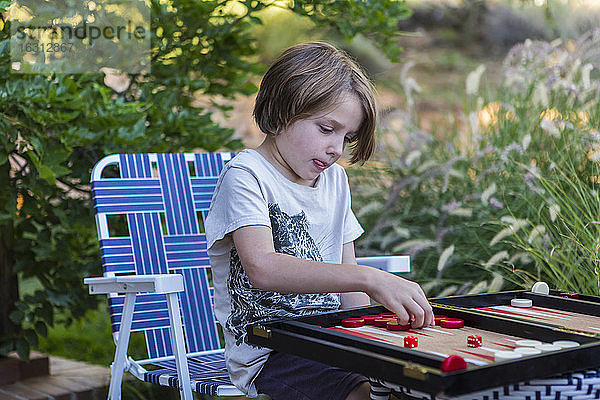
[(149, 212)]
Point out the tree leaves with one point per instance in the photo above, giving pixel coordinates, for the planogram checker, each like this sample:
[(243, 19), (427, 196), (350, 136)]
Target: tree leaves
[(4, 5), (376, 19), (55, 127)]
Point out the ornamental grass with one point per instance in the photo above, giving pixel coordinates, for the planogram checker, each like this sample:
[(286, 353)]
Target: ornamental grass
[(506, 198)]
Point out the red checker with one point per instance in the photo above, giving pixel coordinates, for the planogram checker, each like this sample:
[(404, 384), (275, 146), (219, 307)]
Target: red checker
[(452, 323), (353, 322), (381, 322), (388, 315), (411, 341), (437, 318), (453, 363), (474, 341), (369, 319), (394, 325)]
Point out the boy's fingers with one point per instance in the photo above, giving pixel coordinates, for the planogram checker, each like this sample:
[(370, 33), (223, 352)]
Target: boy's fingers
[(429, 319), (403, 317), (417, 313), (422, 301)]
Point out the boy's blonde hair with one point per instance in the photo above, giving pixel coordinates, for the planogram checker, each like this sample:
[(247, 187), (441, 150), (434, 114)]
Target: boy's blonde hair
[(308, 78)]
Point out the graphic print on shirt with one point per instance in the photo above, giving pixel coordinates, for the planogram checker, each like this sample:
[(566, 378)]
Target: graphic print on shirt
[(249, 305)]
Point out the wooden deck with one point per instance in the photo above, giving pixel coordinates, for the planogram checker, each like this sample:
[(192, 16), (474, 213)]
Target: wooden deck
[(46, 378)]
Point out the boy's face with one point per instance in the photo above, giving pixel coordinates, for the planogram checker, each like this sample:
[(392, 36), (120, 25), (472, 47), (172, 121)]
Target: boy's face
[(311, 145)]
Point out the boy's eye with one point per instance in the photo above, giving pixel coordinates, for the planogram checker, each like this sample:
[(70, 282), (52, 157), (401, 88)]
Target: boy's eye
[(325, 129)]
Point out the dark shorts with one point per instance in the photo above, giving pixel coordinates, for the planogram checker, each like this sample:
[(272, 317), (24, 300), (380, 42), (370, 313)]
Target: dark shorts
[(287, 377)]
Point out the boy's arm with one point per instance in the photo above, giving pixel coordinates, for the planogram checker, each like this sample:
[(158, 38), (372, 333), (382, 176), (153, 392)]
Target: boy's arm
[(268, 270), (352, 299)]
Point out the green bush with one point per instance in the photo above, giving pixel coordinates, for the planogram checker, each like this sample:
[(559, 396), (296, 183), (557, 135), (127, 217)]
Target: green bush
[(56, 126), (88, 339)]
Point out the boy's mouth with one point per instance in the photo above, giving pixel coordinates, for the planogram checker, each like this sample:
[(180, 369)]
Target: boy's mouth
[(320, 165)]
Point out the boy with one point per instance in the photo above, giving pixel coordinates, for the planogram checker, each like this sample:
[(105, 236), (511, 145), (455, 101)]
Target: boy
[(280, 230)]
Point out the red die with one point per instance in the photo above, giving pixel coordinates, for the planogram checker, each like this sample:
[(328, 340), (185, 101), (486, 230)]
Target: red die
[(411, 341), (474, 341)]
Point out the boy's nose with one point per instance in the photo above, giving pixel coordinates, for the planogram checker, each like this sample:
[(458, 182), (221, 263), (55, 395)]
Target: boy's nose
[(336, 147)]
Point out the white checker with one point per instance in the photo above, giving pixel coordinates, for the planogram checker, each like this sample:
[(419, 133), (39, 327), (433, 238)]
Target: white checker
[(548, 347), (566, 344), (541, 288), (524, 303)]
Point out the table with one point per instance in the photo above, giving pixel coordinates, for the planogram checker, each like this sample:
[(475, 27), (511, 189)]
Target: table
[(379, 353)]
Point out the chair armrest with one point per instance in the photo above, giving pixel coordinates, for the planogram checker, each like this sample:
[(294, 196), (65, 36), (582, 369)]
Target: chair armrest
[(386, 263), (160, 283)]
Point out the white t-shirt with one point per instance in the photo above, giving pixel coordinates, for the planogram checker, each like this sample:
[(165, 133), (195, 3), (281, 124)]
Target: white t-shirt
[(307, 222)]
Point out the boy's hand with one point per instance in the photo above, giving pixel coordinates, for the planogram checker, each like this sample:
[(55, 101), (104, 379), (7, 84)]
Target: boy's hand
[(403, 297)]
